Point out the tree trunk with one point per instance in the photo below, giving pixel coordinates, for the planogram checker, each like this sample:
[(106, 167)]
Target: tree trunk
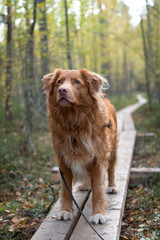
[(147, 75), (8, 84), (68, 45), (157, 50), (43, 38), (29, 81), (125, 72), (150, 52), (44, 53)]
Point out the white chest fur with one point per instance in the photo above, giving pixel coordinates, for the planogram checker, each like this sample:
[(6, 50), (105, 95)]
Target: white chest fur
[(78, 166)]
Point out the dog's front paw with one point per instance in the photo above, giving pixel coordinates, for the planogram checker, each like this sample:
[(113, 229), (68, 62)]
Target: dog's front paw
[(111, 190), (98, 218), (64, 215)]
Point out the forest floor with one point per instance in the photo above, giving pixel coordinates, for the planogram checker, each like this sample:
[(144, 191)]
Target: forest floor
[(142, 210), (28, 190)]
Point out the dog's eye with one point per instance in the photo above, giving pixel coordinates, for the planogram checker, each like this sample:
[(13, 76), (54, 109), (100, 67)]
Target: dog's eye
[(59, 81), (76, 82)]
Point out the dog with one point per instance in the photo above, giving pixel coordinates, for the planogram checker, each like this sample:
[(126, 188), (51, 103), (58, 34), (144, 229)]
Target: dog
[(84, 135)]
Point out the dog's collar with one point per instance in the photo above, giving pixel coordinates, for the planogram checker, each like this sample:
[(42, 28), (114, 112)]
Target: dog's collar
[(108, 124)]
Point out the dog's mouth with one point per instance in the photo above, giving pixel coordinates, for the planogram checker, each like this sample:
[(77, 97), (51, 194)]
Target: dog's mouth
[(64, 101)]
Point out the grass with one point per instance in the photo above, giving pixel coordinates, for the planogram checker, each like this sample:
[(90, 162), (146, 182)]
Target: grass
[(142, 210)]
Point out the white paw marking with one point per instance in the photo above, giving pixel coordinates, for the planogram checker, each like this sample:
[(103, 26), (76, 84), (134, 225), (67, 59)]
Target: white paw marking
[(64, 215), (111, 190), (98, 218)]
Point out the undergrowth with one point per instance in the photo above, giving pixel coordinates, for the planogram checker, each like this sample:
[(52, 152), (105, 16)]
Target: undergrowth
[(142, 210), (27, 189)]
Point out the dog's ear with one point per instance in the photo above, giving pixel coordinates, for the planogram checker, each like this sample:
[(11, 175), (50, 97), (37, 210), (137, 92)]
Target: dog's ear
[(49, 79), (95, 79)]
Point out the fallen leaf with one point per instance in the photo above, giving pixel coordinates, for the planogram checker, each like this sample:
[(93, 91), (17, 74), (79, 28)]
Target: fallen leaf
[(54, 217), (140, 229), (12, 228), (130, 219), (41, 180), (124, 237), (124, 224), (114, 203), (15, 220), (142, 225), (7, 211)]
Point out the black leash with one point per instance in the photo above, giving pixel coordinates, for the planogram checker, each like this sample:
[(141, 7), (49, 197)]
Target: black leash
[(78, 205)]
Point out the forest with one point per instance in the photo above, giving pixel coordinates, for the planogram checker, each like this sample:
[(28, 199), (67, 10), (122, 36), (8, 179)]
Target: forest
[(37, 36)]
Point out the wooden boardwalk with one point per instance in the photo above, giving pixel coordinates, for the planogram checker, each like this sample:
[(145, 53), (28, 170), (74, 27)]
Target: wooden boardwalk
[(78, 229)]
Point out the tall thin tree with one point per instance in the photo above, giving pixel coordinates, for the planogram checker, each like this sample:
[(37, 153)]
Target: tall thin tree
[(68, 45), (150, 49), (29, 82), (147, 75), (43, 51), (8, 84)]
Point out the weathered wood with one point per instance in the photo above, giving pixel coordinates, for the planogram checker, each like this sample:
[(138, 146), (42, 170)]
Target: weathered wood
[(116, 202), (53, 229), (145, 170), (146, 135), (128, 123), (142, 175)]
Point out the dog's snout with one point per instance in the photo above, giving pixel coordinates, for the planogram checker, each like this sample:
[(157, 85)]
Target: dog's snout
[(63, 90)]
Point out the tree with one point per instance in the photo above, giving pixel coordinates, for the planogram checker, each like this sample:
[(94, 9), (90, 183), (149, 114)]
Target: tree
[(29, 78), (43, 37), (68, 45), (147, 76), (8, 84), (44, 52)]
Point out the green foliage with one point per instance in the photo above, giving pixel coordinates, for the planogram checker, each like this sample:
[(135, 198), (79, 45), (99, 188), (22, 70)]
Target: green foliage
[(122, 101), (151, 121)]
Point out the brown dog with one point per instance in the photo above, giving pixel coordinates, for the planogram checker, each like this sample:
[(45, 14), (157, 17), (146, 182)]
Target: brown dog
[(84, 135)]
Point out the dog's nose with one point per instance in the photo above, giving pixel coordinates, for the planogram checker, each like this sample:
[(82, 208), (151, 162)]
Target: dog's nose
[(62, 90)]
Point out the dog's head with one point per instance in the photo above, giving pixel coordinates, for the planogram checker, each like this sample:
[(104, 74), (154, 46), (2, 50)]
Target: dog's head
[(72, 87)]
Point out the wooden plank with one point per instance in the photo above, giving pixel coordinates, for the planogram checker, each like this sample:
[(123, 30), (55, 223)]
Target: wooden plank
[(116, 202), (142, 175), (146, 135), (120, 119), (53, 229), (128, 123), (124, 119), (145, 170)]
